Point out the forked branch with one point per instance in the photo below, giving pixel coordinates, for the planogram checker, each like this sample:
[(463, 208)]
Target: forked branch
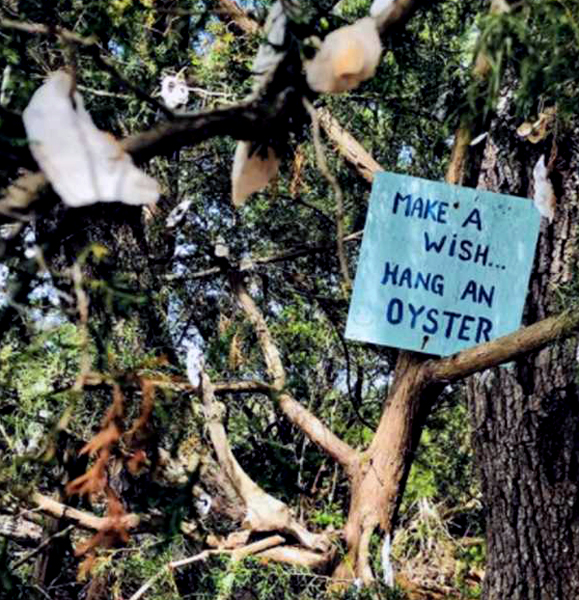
[(297, 414), (263, 512)]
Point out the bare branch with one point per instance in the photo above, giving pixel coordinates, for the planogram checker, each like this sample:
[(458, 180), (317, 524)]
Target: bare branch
[(263, 512), (79, 517), (265, 260), (41, 546), (237, 554), (348, 146), (396, 14), (504, 349), (20, 530), (232, 12), (323, 166), (241, 122), (296, 556), (37, 28), (300, 416)]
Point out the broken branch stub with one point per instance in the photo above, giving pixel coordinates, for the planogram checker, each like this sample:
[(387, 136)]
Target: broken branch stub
[(83, 164)]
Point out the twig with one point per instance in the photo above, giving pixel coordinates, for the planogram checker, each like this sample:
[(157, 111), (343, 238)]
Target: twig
[(38, 28), (323, 166), (103, 93), (8, 439), (79, 517), (92, 44), (207, 94), (39, 549), (298, 415), (236, 554), (107, 65)]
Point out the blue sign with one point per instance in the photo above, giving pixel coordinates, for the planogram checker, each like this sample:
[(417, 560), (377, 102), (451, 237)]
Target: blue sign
[(441, 267)]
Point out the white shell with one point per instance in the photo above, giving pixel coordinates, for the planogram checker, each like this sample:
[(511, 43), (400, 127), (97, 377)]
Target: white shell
[(177, 214), (174, 91), (195, 362), (251, 173), (544, 197), (348, 56), (381, 7), (83, 164), (387, 568)]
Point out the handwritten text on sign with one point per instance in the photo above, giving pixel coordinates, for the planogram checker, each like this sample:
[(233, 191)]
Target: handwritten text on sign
[(441, 267)]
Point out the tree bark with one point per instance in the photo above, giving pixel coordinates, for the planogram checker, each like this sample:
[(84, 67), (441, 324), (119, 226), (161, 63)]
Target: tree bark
[(526, 416)]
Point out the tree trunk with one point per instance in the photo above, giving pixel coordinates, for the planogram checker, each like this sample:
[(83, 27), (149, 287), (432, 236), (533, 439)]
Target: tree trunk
[(526, 416), (378, 482)]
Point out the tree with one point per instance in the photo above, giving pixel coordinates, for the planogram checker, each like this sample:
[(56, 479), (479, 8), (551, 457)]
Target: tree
[(525, 415), (106, 261)]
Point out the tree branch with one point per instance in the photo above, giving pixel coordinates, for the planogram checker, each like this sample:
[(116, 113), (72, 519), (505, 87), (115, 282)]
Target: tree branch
[(79, 517), (345, 143), (20, 530), (232, 12), (503, 349), (318, 433), (263, 511), (331, 179), (37, 28)]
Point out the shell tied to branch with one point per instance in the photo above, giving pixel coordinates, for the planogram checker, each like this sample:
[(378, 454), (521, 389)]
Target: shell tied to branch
[(348, 56), (251, 171), (174, 91), (83, 164), (544, 197)]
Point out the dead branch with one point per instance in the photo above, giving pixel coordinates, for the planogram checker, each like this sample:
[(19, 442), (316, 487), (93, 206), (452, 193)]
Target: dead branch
[(455, 173), (237, 554), (300, 416), (263, 512), (43, 545), (330, 178), (397, 13), (348, 146), (296, 556), (20, 530), (232, 12), (79, 517), (250, 264), (503, 349)]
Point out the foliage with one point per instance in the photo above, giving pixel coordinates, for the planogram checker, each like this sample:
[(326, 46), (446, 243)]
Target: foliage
[(536, 44)]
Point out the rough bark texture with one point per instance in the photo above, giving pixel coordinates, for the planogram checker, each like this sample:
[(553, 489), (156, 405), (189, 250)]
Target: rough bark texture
[(526, 416)]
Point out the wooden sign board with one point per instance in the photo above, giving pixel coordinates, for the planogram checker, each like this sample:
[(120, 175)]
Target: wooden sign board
[(441, 267)]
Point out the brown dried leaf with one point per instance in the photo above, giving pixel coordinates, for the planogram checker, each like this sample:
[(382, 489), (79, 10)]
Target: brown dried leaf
[(296, 182), (223, 324), (93, 481), (137, 461), (235, 353), (86, 566), (103, 439), (117, 408), (148, 391)]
